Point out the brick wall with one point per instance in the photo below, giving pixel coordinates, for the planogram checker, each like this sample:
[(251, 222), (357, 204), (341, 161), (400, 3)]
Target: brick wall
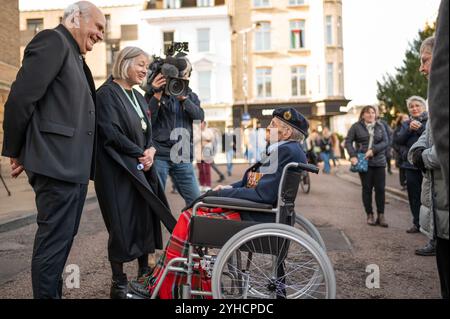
[(3, 161), (9, 53), (9, 32)]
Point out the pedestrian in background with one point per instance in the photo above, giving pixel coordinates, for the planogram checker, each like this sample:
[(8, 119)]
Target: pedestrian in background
[(404, 138), (49, 131), (229, 144), (313, 147), (204, 162), (215, 144), (401, 118), (368, 136), (261, 143), (326, 147), (389, 148), (336, 149)]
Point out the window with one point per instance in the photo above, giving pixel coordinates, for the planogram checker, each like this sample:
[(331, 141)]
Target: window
[(204, 86), (203, 40), (129, 32), (297, 34), (172, 4), (205, 3), (339, 31), (112, 50), (108, 26), (329, 29), (264, 82), (35, 25), (262, 37), (341, 79), (299, 81), (330, 79), (296, 2), (261, 3), (168, 38)]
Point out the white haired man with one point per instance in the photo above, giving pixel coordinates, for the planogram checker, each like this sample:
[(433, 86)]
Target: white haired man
[(434, 210), (439, 106), (49, 131)]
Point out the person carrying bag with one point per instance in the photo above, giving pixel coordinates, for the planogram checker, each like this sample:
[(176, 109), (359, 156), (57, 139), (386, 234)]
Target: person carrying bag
[(368, 158)]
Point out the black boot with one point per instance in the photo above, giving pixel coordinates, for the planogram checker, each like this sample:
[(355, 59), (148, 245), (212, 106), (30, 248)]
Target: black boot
[(144, 271), (139, 289), (119, 288)]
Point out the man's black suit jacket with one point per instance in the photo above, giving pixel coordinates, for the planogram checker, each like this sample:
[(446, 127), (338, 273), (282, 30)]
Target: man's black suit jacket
[(50, 119), (438, 98)]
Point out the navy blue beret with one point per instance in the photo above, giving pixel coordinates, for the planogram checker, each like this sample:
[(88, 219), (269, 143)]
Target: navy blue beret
[(292, 117)]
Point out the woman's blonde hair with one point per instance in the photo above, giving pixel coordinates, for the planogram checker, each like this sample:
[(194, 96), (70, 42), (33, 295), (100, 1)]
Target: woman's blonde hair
[(124, 60)]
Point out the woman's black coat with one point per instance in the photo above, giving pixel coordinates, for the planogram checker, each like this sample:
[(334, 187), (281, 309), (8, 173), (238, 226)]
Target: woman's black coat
[(359, 135), (132, 202)]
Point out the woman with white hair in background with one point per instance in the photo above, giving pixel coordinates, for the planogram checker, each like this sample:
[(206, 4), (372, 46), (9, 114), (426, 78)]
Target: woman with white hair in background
[(404, 138), (130, 196)]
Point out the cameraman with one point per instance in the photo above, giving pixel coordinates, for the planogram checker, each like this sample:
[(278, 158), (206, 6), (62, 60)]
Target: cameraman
[(169, 113)]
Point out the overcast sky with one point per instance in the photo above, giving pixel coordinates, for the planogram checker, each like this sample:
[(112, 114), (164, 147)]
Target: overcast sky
[(376, 36)]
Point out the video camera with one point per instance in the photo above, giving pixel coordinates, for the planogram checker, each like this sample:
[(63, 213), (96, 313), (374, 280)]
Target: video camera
[(176, 68)]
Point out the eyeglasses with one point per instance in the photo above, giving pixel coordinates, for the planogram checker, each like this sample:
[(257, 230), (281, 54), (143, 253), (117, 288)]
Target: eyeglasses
[(274, 125)]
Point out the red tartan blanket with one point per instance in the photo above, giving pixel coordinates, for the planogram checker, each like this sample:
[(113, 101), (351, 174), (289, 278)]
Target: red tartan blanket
[(178, 246)]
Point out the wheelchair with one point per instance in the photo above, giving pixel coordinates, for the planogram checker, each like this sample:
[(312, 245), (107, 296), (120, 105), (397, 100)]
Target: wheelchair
[(249, 260), (305, 182)]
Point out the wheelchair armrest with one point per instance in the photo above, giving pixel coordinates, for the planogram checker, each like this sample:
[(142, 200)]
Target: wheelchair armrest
[(227, 201)]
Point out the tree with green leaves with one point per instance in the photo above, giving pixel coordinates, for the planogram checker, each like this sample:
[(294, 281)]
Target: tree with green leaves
[(394, 90)]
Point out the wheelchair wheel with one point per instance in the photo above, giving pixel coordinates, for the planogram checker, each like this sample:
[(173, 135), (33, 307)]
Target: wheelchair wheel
[(305, 183), (306, 226), (272, 261)]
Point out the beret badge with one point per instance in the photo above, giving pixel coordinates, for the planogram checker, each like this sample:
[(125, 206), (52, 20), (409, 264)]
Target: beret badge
[(287, 115)]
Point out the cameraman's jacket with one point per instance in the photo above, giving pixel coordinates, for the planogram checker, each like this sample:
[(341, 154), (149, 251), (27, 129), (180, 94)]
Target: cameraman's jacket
[(169, 114)]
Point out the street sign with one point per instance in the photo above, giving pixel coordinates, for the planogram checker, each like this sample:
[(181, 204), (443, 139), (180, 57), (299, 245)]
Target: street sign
[(246, 117)]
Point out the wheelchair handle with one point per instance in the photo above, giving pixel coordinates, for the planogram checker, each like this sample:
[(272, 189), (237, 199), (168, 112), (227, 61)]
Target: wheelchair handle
[(309, 168)]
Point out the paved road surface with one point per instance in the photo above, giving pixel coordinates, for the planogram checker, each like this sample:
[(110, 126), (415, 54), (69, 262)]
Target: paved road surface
[(333, 205)]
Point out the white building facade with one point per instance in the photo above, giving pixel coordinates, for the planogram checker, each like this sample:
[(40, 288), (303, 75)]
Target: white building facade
[(207, 30), (295, 58)]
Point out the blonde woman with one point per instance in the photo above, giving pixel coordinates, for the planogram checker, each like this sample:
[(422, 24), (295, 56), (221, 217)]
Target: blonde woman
[(131, 199)]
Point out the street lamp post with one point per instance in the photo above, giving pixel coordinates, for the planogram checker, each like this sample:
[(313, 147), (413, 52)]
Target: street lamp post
[(245, 33), (245, 77)]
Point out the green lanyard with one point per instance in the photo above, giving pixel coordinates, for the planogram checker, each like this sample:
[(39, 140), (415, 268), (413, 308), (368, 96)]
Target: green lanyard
[(136, 107)]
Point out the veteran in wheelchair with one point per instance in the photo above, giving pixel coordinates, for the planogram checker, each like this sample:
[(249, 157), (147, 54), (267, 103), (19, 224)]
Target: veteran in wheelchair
[(239, 241)]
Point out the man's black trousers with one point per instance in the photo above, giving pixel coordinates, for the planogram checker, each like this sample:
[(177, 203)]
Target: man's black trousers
[(442, 253), (59, 206)]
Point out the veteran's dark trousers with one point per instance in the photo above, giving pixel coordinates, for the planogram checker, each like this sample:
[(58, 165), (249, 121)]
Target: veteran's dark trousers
[(59, 206)]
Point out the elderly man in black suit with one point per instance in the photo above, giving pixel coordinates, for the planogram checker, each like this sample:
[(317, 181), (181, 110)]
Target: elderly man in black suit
[(49, 131)]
